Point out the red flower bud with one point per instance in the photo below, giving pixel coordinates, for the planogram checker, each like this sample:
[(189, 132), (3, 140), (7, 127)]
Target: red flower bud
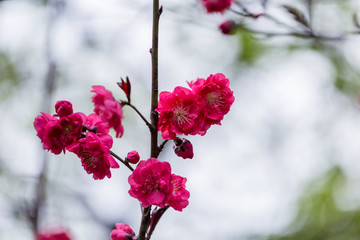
[(133, 157), (183, 148), (63, 108), (228, 27), (126, 87)]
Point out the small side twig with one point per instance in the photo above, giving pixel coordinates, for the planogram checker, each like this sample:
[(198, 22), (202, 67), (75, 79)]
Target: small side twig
[(162, 145), (122, 161), (139, 113)]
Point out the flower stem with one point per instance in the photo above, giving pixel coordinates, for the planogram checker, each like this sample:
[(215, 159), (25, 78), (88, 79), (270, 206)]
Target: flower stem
[(122, 161), (154, 87), (155, 219), (145, 221)]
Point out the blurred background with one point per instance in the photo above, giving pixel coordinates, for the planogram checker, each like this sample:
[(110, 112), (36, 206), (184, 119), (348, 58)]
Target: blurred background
[(283, 165)]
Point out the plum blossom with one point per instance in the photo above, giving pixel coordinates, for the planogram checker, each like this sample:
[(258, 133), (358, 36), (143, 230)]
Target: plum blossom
[(179, 112), (122, 232), (219, 6), (150, 182), (153, 184), (57, 133), (108, 109), (93, 148), (218, 98), (178, 199)]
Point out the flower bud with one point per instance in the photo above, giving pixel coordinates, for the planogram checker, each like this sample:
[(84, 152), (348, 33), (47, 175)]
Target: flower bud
[(228, 27), (126, 87), (133, 157), (183, 148), (63, 108), (122, 232)]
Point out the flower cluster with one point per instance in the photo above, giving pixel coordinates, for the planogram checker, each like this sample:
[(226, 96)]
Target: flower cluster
[(86, 136), (152, 183), (193, 111), (93, 147), (57, 132), (189, 111)]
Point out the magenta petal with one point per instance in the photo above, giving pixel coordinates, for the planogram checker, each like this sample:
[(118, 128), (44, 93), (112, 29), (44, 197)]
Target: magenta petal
[(156, 197)]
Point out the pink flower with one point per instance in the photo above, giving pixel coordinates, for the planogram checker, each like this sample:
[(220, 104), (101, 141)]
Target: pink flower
[(108, 109), (56, 234), (71, 126), (93, 123), (95, 157), (46, 125), (56, 134), (179, 112), (122, 232), (178, 199), (133, 157), (228, 27), (150, 182), (183, 148), (63, 108), (216, 5), (94, 148), (218, 98)]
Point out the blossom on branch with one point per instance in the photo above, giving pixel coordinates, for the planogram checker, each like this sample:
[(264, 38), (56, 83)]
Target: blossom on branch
[(150, 182), (153, 184), (218, 98), (93, 148), (108, 109), (179, 112), (192, 112), (57, 133), (179, 197)]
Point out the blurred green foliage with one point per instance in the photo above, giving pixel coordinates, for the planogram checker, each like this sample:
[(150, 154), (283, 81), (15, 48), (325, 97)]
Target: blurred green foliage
[(319, 216), (250, 48), (9, 75)]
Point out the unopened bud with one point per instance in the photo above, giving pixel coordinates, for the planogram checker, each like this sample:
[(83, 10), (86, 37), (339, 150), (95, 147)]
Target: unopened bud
[(133, 157), (228, 27), (183, 148), (63, 108)]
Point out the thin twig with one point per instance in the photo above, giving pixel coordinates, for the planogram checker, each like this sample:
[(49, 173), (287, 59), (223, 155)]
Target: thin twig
[(162, 145), (122, 161), (139, 113), (305, 35)]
